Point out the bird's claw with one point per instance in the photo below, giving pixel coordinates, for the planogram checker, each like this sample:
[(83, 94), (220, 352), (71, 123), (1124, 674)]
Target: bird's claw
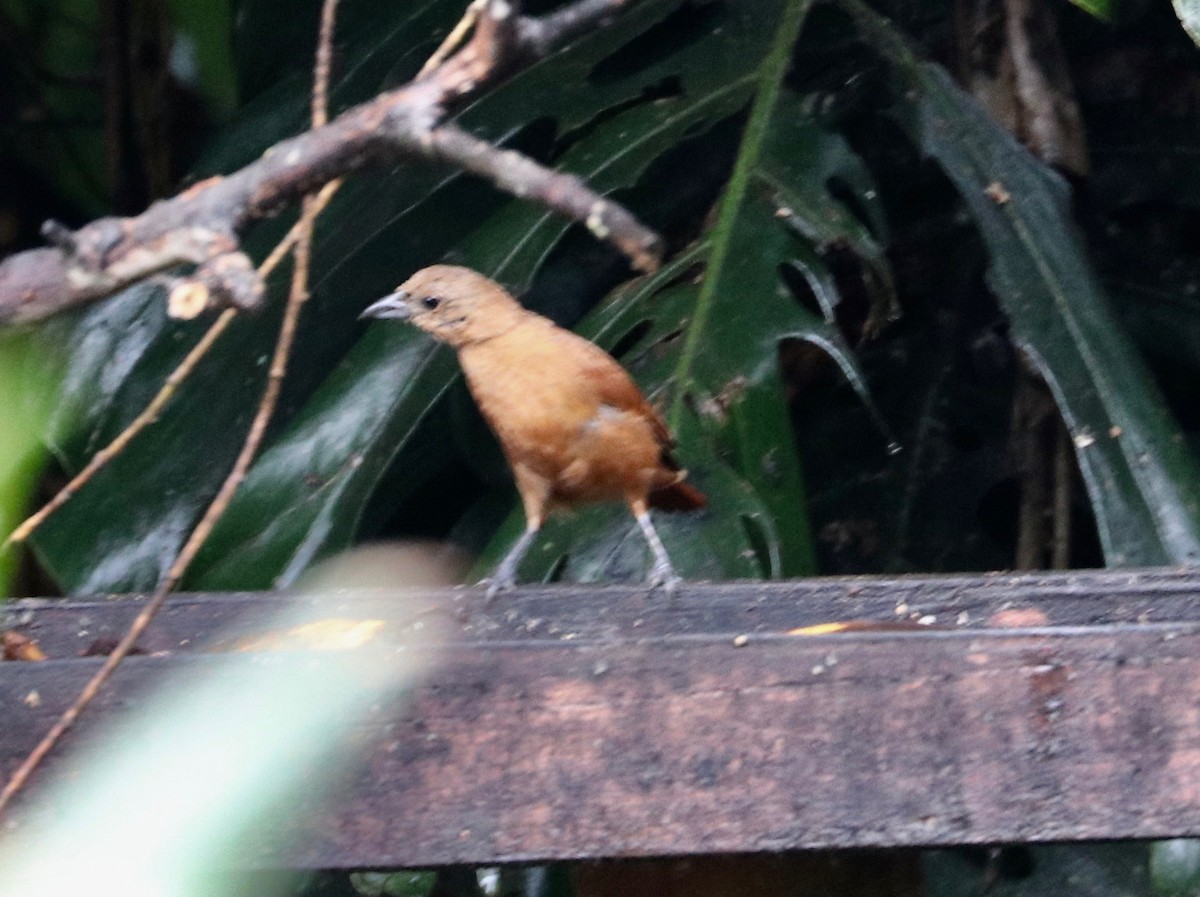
[(496, 585), (664, 576)]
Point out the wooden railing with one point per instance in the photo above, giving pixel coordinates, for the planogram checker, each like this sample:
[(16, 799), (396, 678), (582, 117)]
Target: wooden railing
[(584, 722)]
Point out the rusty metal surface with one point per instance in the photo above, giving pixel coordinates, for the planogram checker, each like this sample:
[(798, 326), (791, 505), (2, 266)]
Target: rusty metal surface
[(650, 729)]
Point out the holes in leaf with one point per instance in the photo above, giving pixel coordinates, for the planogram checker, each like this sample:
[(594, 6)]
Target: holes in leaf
[(757, 537), (676, 192), (690, 275), (663, 89), (802, 289), (804, 366), (848, 197), (672, 336), (689, 23), (555, 574), (836, 293), (632, 337), (535, 139)]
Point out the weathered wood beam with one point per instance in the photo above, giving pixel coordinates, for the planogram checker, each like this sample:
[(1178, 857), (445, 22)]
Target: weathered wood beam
[(67, 627), (579, 722)]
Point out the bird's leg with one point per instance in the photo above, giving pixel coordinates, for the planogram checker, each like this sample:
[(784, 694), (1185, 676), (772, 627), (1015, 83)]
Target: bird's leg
[(505, 576), (662, 573), (535, 492)]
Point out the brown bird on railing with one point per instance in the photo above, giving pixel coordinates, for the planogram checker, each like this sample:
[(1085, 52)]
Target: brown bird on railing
[(572, 423)]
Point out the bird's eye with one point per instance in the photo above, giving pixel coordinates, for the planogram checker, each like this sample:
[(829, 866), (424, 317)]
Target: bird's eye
[(431, 302)]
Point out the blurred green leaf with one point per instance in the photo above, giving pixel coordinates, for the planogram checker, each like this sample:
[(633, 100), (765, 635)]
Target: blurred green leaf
[(204, 47), (398, 883), (1175, 867), (1103, 9), (27, 385)]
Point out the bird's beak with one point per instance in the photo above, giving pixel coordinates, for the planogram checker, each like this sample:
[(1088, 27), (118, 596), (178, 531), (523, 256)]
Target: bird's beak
[(394, 305)]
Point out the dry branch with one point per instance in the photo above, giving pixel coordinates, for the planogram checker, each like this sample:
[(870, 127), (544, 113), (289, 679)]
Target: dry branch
[(200, 226)]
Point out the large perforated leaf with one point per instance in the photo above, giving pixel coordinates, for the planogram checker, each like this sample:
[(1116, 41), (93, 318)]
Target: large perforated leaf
[(1142, 480)]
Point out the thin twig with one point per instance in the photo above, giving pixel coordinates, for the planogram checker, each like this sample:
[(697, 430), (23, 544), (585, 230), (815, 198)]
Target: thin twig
[(320, 94), (453, 39), (148, 416), (297, 296)]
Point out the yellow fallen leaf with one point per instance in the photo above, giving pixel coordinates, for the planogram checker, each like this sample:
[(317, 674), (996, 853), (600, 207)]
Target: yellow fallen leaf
[(335, 634)]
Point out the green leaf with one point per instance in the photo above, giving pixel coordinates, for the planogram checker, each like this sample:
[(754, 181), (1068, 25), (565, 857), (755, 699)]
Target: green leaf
[(1175, 867), (306, 497), (1104, 9), (27, 382), (394, 883), (360, 410), (708, 353), (1142, 481)]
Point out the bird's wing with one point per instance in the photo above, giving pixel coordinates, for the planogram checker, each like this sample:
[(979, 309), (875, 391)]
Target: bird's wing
[(614, 387)]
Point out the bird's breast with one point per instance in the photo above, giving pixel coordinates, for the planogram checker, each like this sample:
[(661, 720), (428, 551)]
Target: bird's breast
[(549, 418)]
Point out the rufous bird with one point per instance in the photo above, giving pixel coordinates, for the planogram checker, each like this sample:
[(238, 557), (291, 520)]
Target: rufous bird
[(572, 423)]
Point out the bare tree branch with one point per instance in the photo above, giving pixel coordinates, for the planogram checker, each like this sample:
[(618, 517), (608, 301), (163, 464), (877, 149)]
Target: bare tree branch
[(564, 193), (538, 36), (201, 225)]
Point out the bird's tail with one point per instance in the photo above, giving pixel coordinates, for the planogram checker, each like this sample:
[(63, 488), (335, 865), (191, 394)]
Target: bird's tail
[(678, 496)]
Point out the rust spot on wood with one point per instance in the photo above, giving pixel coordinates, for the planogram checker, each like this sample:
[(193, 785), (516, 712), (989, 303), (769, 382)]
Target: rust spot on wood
[(18, 646), (1048, 680), (1019, 618)]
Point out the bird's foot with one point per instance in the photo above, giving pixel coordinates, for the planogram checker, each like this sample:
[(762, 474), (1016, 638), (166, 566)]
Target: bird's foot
[(496, 585), (663, 575)]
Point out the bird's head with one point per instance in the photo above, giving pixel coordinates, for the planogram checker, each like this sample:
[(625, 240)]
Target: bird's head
[(456, 305)]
